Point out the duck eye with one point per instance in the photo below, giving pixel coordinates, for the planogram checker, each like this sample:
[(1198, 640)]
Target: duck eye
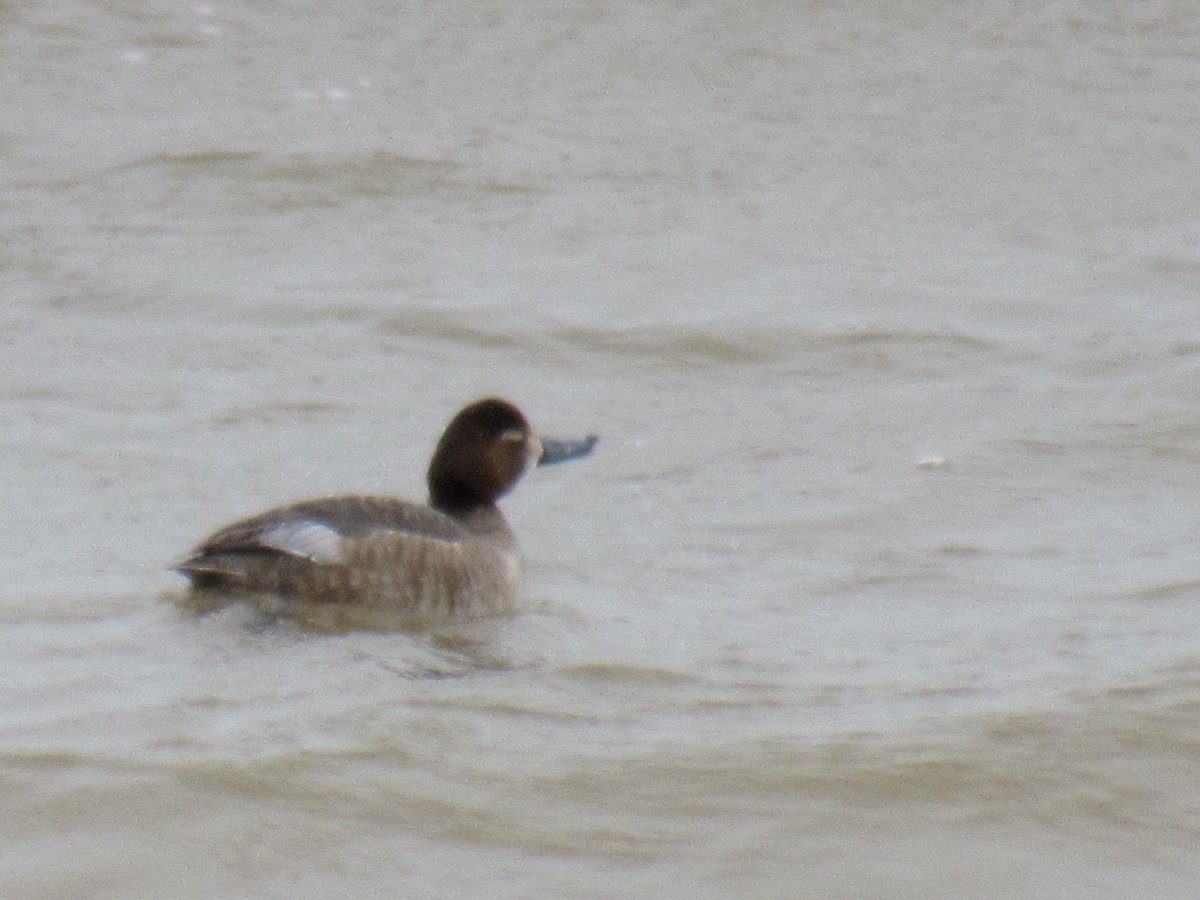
[(512, 435)]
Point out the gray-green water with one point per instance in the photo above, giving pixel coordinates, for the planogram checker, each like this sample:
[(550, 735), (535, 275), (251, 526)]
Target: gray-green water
[(882, 582)]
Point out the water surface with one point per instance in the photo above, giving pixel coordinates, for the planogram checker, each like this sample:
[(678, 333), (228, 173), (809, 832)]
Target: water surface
[(882, 582)]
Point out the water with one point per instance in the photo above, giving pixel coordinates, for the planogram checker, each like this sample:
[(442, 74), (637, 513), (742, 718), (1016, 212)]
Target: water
[(882, 582)]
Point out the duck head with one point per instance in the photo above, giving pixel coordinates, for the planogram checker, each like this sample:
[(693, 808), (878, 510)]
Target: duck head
[(485, 450)]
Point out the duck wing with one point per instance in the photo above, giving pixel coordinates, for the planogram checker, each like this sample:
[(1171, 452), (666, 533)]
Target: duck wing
[(322, 532)]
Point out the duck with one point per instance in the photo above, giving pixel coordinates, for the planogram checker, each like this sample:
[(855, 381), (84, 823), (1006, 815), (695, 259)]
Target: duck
[(452, 558)]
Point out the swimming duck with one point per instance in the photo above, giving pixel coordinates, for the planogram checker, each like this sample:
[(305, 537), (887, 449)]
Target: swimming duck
[(455, 557)]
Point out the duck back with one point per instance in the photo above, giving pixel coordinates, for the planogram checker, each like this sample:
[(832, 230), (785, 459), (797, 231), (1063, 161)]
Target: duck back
[(372, 551)]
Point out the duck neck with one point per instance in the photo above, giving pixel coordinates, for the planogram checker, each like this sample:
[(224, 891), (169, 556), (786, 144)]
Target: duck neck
[(454, 499), (481, 519)]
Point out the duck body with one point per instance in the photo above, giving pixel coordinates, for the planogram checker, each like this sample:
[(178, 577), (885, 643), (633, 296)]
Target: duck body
[(454, 557), (371, 551)]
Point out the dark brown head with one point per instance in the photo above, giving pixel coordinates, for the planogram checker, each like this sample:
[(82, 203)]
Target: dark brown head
[(484, 451)]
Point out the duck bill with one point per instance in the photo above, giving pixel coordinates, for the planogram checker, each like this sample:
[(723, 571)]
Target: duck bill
[(561, 451)]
